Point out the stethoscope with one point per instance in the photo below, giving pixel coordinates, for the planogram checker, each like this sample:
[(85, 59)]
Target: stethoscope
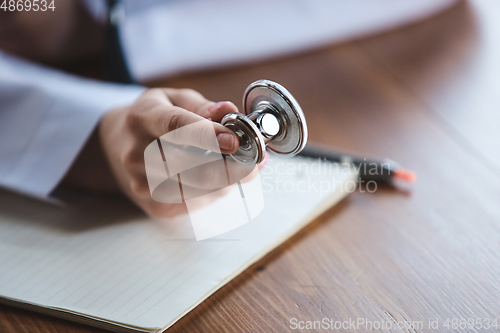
[(272, 119)]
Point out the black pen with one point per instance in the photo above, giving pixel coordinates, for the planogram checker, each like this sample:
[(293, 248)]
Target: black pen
[(380, 171)]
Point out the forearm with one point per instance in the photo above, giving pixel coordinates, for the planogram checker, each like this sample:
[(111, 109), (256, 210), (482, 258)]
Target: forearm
[(46, 118)]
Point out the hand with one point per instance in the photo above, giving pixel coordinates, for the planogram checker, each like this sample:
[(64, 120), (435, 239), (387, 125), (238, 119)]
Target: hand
[(126, 132)]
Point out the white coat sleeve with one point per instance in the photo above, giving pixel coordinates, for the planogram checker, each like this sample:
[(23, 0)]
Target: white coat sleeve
[(46, 116)]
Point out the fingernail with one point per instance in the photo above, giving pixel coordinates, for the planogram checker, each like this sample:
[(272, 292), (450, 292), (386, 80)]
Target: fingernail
[(226, 141), (216, 106)]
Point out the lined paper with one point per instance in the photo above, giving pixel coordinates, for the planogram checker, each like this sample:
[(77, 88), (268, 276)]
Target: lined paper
[(107, 262)]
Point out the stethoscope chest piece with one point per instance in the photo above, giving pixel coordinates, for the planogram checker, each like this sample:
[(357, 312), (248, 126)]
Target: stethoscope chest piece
[(273, 119)]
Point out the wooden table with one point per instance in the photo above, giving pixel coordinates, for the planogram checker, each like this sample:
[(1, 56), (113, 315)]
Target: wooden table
[(428, 96)]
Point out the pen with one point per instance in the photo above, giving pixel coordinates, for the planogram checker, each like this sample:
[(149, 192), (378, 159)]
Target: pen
[(380, 171)]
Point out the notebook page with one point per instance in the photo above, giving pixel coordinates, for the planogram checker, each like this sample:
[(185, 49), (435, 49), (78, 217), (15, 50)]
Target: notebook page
[(105, 260)]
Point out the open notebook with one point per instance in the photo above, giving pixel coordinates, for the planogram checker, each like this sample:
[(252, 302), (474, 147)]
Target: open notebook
[(105, 264)]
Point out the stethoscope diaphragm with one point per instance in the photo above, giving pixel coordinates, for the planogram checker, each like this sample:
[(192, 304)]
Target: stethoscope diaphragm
[(273, 119)]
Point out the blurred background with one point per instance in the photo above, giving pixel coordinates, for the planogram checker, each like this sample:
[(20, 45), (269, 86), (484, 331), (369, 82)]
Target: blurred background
[(416, 81)]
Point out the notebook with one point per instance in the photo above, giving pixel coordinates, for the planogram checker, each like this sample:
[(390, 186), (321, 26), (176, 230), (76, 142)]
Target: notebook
[(105, 264)]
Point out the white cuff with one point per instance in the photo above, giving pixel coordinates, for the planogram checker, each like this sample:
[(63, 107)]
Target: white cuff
[(46, 116)]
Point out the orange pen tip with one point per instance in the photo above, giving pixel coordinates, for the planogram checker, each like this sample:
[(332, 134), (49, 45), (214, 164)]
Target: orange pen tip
[(405, 174)]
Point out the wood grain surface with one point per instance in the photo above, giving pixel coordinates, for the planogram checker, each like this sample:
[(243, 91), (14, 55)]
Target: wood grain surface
[(427, 96)]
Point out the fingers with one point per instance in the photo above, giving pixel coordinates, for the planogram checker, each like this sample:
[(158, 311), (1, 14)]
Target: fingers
[(161, 210), (196, 167), (170, 192), (155, 115), (188, 99), (179, 118), (187, 128), (204, 173), (219, 110), (193, 101), (214, 175)]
